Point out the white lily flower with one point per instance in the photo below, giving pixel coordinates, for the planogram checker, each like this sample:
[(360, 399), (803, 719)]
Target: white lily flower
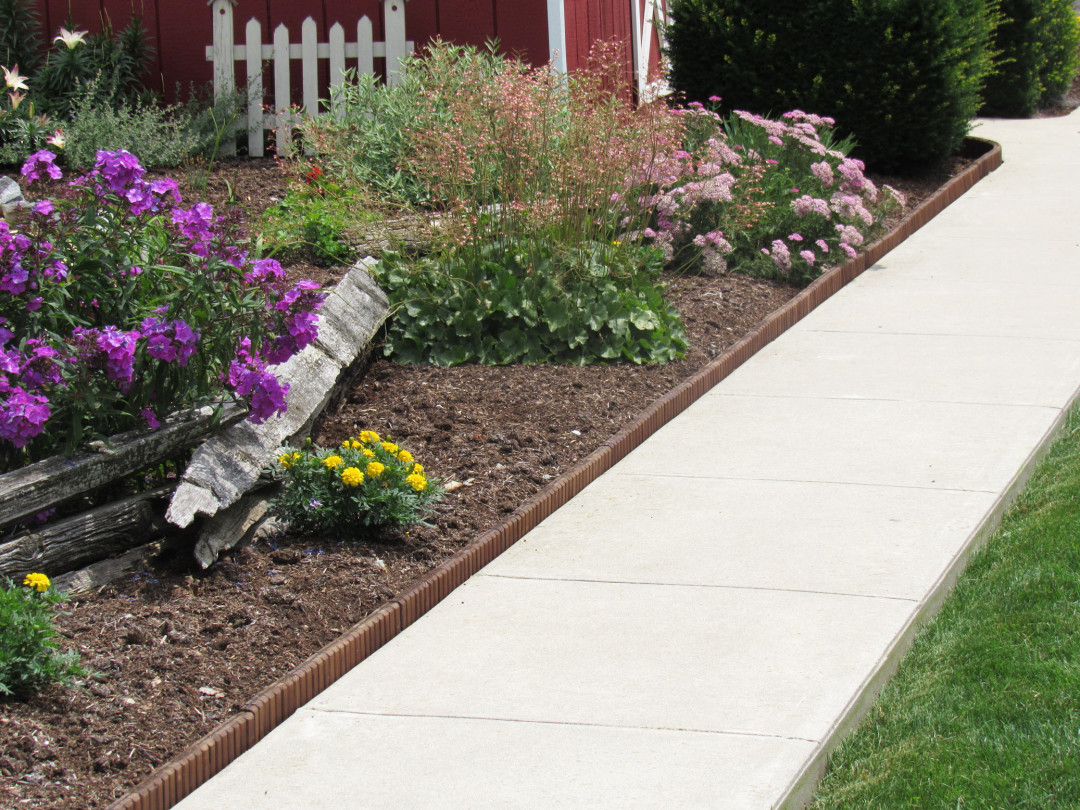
[(57, 139), (14, 80), (71, 38)]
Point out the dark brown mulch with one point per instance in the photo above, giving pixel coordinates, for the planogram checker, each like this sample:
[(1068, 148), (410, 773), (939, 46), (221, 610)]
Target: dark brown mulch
[(175, 651)]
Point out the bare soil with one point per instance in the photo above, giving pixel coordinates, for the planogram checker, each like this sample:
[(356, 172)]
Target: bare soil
[(175, 651)]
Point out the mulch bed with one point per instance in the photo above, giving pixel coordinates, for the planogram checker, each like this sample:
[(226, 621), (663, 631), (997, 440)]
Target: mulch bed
[(175, 651)]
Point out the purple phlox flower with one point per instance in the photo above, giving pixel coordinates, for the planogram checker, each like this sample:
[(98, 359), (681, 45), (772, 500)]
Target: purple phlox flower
[(120, 169), (15, 280), (265, 271), (171, 341), (5, 334), (119, 349), (249, 378), (38, 367), (22, 416), (43, 208), (34, 304), (151, 418), (56, 271), (808, 256), (166, 186), (305, 296), (42, 160)]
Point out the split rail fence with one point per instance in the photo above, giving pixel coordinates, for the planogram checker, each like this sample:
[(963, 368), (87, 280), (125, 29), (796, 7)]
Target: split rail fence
[(225, 52)]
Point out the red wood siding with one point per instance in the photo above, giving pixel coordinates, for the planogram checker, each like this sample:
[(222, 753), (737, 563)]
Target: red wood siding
[(606, 20), (181, 29)]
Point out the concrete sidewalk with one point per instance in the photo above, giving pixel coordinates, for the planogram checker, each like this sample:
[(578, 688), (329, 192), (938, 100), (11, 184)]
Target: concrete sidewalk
[(697, 627)]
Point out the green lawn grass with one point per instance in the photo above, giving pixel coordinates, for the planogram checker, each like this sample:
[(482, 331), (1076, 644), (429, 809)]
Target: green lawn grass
[(984, 711)]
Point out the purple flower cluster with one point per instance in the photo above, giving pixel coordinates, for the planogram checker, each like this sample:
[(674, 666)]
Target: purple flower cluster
[(154, 285)]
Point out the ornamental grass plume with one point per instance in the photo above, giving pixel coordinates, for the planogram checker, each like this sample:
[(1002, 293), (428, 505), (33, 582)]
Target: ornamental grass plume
[(365, 482)]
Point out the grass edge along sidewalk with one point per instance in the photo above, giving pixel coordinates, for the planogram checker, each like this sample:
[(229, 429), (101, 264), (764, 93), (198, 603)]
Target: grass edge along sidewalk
[(984, 709)]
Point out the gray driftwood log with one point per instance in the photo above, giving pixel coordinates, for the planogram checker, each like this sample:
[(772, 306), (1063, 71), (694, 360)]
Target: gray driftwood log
[(68, 544), (230, 464), (39, 486)]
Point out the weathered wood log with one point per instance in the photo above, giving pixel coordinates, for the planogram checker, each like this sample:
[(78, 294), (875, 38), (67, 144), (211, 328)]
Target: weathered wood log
[(77, 541), (408, 234), (44, 484), (101, 573), (229, 464), (232, 526)]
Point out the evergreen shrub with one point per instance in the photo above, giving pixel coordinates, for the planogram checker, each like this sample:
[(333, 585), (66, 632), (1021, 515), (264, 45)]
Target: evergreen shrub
[(903, 77), (1037, 44)]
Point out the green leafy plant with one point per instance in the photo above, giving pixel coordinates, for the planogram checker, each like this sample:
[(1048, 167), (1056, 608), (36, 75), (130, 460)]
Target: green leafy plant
[(599, 302), (366, 482), (29, 654), (20, 38), (907, 93), (310, 222)]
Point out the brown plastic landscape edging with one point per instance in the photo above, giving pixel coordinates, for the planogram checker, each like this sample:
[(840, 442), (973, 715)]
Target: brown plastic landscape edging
[(182, 775)]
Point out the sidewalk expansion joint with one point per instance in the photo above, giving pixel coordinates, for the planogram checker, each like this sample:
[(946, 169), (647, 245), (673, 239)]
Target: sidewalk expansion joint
[(870, 484), (1010, 338), (912, 600), (577, 724), (744, 395)]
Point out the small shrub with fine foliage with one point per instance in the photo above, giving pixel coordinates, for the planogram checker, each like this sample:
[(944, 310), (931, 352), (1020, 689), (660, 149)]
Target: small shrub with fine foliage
[(1037, 43), (903, 77)]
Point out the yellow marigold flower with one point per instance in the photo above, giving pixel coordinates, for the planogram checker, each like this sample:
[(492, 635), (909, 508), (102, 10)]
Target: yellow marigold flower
[(405, 457), (369, 437), (38, 582), (390, 447), (418, 469), (333, 462), (352, 477), (368, 453), (355, 445), (417, 482), (375, 469)]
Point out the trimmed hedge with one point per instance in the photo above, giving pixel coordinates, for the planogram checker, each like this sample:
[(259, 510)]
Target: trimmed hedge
[(903, 77)]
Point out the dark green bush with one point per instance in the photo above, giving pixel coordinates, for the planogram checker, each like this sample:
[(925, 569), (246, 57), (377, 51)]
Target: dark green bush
[(903, 77), (1037, 46)]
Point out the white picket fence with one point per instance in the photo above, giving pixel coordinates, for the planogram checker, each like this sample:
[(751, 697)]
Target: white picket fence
[(224, 53)]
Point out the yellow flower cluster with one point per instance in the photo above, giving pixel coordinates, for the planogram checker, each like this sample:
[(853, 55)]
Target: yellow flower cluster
[(351, 444), (333, 462), (405, 457), (390, 447), (288, 459), (417, 482), (369, 437), (375, 469), (352, 477), (39, 582)]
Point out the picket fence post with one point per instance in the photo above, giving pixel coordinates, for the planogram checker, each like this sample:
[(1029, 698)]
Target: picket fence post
[(224, 53)]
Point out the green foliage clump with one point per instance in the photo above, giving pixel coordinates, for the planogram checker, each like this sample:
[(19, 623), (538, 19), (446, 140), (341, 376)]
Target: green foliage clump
[(310, 222), (903, 77), (1037, 43), (29, 654), (19, 34), (600, 302), (160, 136), (366, 482)]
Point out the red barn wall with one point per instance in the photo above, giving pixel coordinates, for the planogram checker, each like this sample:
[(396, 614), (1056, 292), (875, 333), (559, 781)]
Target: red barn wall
[(180, 30)]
